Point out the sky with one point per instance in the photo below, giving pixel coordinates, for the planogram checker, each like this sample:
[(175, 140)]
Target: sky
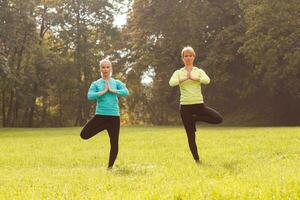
[(120, 20)]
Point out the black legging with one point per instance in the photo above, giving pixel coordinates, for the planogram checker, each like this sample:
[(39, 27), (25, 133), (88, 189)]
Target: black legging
[(99, 123), (197, 112)]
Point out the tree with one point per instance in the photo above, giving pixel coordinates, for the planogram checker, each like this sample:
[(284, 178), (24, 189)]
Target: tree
[(272, 45)]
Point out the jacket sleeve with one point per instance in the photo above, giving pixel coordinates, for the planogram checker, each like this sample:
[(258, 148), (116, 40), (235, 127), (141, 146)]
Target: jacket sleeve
[(122, 89), (92, 93), (174, 80), (204, 79)]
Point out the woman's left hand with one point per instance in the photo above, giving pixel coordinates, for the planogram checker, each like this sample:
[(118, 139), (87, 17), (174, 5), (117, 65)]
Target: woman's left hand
[(111, 90), (191, 77)]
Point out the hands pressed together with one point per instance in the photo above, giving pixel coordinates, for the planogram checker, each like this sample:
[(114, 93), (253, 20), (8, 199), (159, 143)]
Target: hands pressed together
[(107, 89), (189, 76)]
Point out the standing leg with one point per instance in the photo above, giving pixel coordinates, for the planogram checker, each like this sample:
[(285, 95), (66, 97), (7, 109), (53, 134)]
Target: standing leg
[(192, 144), (92, 127), (206, 114), (113, 132), (189, 125)]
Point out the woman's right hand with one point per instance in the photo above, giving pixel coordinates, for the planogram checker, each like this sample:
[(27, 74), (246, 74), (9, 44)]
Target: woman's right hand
[(184, 78), (105, 89), (102, 92)]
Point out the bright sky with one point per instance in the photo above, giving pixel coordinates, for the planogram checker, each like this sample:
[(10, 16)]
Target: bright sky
[(120, 20), (147, 77)]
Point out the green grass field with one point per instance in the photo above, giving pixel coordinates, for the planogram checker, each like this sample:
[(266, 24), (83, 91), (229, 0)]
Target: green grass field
[(153, 163)]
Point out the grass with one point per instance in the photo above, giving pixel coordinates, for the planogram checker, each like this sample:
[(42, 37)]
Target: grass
[(153, 163)]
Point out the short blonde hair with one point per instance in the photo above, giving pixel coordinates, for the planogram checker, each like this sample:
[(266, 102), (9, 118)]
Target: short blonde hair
[(188, 49), (104, 61)]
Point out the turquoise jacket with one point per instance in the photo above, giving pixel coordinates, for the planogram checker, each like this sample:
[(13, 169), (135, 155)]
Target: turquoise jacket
[(108, 103)]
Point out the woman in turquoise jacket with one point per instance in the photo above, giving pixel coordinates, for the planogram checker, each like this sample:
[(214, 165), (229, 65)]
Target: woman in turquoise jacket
[(105, 92)]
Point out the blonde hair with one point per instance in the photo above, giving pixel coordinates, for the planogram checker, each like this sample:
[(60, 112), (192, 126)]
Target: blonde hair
[(188, 49), (103, 61)]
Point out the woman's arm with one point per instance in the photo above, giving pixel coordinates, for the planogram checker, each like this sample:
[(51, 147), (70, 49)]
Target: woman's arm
[(196, 78), (174, 80), (121, 89), (204, 79), (93, 93)]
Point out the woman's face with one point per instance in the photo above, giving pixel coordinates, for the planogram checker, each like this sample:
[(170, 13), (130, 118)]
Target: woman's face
[(188, 58), (106, 69)]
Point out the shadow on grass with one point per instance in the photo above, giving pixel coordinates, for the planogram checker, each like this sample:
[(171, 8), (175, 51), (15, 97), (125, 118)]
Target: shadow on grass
[(232, 166), (134, 170)]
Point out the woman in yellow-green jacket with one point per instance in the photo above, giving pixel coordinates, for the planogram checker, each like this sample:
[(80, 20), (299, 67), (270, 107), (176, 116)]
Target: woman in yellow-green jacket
[(192, 107)]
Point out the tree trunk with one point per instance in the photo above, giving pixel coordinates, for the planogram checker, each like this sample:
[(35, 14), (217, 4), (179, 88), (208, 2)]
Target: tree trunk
[(16, 102), (77, 59), (3, 109), (60, 108), (25, 116), (16, 122), (44, 112), (32, 106), (10, 109), (84, 80), (43, 30)]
